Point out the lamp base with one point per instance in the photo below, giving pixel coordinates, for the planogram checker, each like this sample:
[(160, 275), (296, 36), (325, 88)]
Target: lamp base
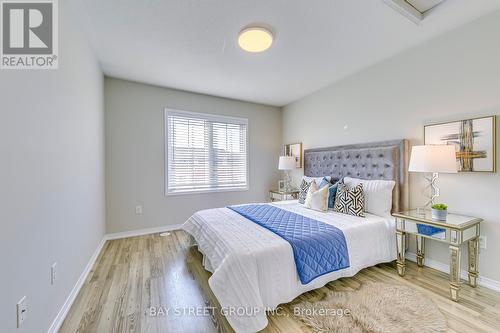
[(434, 189), (288, 181)]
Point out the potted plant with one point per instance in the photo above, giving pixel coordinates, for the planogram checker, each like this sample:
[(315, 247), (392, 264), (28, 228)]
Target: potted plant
[(439, 212)]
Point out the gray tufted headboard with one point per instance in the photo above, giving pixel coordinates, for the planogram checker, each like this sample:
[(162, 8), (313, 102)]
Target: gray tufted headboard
[(380, 160)]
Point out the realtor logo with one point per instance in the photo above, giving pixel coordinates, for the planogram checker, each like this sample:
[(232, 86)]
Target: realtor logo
[(29, 34)]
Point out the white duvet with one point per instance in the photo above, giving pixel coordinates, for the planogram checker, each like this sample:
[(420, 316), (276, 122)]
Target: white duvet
[(254, 269)]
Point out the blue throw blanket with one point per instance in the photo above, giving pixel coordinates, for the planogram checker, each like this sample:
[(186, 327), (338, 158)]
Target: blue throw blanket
[(318, 248)]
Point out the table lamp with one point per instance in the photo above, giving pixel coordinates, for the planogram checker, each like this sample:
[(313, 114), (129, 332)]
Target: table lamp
[(433, 159)]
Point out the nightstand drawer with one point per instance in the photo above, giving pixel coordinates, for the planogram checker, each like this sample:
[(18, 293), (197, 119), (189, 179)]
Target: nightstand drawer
[(448, 234), (416, 228)]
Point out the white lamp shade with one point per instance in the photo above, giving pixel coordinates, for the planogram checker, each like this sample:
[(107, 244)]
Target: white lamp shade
[(433, 158), (286, 163)]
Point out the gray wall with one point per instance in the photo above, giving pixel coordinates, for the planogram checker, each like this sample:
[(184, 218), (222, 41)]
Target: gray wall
[(456, 75), (135, 168), (51, 178)]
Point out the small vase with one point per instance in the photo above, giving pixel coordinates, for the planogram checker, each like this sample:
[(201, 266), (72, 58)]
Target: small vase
[(439, 215)]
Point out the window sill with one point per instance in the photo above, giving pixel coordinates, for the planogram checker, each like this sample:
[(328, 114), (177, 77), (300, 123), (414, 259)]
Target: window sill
[(242, 189)]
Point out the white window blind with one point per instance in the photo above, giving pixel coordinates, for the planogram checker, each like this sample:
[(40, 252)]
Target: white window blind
[(205, 152)]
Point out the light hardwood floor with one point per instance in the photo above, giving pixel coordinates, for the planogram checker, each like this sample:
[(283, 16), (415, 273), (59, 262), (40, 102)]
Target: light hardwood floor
[(133, 274)]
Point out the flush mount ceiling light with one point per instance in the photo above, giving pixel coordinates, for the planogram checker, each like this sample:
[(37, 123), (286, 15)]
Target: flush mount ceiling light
[(255, 39)]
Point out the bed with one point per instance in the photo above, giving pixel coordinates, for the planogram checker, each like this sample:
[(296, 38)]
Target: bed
[(253, 269)]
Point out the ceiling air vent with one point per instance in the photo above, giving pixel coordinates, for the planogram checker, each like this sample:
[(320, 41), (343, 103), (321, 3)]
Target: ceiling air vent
[(415, 10)]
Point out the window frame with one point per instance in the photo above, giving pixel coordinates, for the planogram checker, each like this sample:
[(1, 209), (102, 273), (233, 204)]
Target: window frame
[(211, 117)]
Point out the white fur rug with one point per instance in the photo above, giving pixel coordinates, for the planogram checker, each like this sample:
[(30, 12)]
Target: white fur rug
[(375, 307)]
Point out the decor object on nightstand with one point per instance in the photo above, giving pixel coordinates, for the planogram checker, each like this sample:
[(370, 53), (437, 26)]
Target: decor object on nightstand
[(433, 159), (457, 230), (294, 150), (474, 139), (439, 212), (287, 163)]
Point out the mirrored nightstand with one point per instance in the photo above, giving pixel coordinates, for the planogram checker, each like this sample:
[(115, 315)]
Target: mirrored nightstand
[(277, 195), (455, 231)]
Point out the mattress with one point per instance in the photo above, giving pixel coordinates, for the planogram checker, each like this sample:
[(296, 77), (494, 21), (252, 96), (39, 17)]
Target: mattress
[(253, 269)]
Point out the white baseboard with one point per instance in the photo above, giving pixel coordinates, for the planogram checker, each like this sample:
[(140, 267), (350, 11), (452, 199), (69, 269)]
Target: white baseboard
[(56, 324), (141, 232), (481, 280)]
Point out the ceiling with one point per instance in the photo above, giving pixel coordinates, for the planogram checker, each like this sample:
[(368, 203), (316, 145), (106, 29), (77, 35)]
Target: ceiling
[(192, 44)]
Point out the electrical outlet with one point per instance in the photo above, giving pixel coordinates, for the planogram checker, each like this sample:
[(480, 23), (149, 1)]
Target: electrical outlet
[(53, 273), (138, 210), (22, 311), (482, 242)]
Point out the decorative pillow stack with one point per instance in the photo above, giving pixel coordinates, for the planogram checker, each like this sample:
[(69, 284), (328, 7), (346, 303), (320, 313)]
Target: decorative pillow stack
[(307, 181), (350, 200), (317, 198)]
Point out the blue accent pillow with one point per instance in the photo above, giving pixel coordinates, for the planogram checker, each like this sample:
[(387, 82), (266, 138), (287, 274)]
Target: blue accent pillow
[(332, 193), (323, 183)]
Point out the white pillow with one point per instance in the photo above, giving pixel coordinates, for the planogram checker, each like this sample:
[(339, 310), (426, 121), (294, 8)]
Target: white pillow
[(317, 199), (378, 194), (316, 179)]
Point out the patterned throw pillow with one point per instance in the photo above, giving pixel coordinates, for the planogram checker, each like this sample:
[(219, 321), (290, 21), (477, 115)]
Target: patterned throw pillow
[(350, 200), (317, 198), (304, 187)]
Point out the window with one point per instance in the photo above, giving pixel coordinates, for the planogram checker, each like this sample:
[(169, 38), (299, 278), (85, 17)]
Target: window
[(205, 152)]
